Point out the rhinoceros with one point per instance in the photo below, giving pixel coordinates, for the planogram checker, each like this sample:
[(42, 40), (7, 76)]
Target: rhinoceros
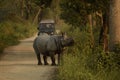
[(50, 45)]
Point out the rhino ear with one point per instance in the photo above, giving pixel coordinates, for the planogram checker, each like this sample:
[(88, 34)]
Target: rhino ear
[(64, 35)]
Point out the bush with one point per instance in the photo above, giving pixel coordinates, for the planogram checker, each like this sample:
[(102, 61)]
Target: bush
[(82, 62), (11, 33)]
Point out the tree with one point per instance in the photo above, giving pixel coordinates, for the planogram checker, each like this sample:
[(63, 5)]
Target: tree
[(55, 7), (73, 12), (6, 8), (42, 5), (114, 23), (76, 12)]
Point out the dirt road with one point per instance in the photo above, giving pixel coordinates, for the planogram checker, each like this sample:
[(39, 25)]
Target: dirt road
[(20, 63)]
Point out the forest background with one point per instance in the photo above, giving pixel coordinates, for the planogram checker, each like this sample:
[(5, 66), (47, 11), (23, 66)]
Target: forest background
[(94, 25)]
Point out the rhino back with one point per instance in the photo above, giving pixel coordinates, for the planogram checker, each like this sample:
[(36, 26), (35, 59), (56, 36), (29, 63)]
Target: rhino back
[(53, 43)]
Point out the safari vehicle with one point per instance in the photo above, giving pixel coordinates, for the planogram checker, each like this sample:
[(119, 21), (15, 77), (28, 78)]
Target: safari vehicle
[(47, 26)]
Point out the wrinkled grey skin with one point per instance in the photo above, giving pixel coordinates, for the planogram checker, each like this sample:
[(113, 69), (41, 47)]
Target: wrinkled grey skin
[(49, 46)]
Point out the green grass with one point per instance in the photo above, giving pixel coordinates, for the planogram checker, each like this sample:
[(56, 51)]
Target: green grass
[(81, 62)]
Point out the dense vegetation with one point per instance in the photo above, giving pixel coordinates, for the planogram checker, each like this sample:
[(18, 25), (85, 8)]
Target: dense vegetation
[(13, 25), (11, 32), (81, 62), (19, 19), (85, 20), (88, 59)]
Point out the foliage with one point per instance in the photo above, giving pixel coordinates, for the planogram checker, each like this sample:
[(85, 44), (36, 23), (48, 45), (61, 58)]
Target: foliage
[(116, 54), (48, 14), (75, 12), (13, 25), (81, 62), (46, 3), (72, 12), (11, 33)]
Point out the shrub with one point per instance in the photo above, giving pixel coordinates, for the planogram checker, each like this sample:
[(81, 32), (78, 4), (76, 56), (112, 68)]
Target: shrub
[(83, 62), (11, 33)]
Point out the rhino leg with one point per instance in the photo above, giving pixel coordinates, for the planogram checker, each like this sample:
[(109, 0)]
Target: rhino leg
[(59, 58), (38, 55), (45, 60), (37, 52), (39, 59), (52, 58)]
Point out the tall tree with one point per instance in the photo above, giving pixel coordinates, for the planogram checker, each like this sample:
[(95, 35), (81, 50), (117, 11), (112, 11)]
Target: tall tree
[(76, 12), (42, 5), (114, 23), (56, 9)]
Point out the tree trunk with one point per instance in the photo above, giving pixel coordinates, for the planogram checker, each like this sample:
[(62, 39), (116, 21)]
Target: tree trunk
[(40, 16), (91, 29), (36, 16), (105, 31), (27, 9), (103, 38), (55, 7), (114, 23), (22, 8)]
